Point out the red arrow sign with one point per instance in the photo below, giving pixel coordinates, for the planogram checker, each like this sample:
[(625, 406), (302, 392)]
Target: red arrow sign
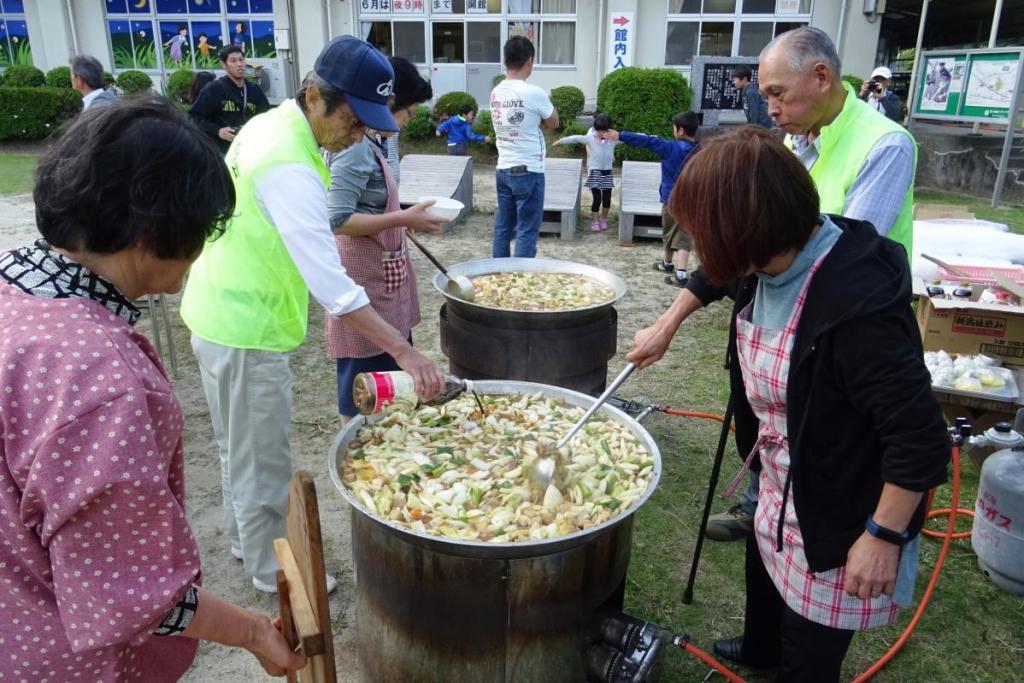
[(620, 21)]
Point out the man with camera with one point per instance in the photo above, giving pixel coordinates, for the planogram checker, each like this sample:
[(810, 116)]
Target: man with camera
[(225, 104), (875, 91)]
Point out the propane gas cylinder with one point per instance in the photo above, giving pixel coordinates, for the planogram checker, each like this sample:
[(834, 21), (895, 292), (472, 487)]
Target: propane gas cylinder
[(998, 533)]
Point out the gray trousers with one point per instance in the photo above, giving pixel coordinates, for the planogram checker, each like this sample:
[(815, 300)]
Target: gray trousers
[(250, 397)]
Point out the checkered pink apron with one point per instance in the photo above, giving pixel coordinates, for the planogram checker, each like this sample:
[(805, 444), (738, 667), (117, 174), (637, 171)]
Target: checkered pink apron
[(381, 264), (764, 357)]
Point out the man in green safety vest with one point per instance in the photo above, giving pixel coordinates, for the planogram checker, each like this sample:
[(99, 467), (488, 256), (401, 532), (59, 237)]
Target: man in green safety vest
[(247, 297)]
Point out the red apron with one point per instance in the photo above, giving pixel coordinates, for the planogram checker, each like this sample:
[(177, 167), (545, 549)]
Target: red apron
[(764, 357), (381, 264)]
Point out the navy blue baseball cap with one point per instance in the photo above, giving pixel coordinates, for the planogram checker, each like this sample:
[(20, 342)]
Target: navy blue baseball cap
[(365, 75)]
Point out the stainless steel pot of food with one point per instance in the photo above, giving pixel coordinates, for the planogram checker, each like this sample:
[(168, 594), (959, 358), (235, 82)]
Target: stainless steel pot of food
[(438, 609), (475, 310)]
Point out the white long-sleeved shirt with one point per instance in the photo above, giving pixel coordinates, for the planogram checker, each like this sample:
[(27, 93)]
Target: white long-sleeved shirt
[(600, 153), (294, 199)]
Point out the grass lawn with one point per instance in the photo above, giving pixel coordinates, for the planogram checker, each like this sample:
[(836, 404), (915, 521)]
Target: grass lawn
[(16, 173), (1012, 216)]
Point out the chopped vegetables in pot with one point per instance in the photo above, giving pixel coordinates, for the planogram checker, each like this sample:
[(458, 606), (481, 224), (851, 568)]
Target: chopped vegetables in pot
[(452, 472), (531, 291)]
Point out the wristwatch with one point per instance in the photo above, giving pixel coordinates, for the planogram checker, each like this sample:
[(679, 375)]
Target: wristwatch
[(887, 535)]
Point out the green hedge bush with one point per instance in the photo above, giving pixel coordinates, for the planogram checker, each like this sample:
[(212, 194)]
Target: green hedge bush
[(34, 113), (132, 81), (59, 77), (450, 103), (643, 101), (855, 81), (24, 76), (498, 78), (178, 85), (484, 125), (574, 129), (420, 127), (568, 101)]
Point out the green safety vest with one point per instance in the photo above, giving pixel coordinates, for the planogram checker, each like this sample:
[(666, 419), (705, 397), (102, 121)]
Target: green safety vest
[(845, 145), (244, 290)]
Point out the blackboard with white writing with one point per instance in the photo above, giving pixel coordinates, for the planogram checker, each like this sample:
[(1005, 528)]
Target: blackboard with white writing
[(717, 91)]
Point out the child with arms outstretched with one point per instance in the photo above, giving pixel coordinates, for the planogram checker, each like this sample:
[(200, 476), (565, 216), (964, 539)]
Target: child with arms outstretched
[(600, 156)]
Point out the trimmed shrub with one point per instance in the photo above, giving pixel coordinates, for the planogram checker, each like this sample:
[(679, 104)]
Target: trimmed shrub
[(25, 76), (108, 80), (484, 125), (34, 113), (59, 77), (855, 81), (498, 78), (450, 103), (178, 85), (568, 101), (420, 127), (643, 101), (132, 81)]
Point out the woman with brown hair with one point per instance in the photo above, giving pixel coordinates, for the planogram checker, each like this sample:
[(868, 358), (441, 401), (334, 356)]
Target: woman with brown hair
[(831, 396)]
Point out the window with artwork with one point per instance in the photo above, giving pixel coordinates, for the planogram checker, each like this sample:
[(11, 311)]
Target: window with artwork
[(171, 34), (15, 47)]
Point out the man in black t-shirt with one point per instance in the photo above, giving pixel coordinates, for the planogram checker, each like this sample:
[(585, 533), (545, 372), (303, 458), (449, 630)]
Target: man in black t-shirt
[(225, 104)]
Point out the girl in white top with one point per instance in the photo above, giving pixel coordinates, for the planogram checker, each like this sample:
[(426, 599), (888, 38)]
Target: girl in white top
[(600, 156)]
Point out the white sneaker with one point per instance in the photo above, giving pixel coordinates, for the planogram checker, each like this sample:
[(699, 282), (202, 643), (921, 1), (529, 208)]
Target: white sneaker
[(332, 584), (236, 552)]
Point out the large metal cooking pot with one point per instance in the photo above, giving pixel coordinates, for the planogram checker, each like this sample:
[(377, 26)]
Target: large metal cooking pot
[(488, 266), (438, 609)]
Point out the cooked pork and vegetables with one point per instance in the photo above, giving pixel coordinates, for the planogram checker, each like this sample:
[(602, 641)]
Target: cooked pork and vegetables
[(455, 472), (531, 291)]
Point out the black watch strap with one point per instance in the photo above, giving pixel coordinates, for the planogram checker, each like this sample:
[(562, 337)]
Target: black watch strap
[(887, 535)]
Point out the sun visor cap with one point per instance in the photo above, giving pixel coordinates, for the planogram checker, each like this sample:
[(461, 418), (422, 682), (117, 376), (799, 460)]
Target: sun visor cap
[(365, 76)]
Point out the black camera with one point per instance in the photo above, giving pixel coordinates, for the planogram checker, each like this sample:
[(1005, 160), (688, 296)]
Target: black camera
[(874, 86)]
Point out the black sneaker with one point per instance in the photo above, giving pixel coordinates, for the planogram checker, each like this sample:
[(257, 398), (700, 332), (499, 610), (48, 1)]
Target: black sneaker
[(662, 267), (677, 281), (732, 525)]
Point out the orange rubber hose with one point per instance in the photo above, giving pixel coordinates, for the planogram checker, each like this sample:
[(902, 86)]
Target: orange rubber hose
[(691, 413), (711, 661), (948, 536)]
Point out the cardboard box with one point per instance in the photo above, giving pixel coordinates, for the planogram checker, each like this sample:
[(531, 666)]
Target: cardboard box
[(971, 327), (924, 212)]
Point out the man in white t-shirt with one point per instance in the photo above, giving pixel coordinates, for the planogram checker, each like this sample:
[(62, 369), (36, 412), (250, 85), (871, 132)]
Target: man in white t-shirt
[(519, 111)]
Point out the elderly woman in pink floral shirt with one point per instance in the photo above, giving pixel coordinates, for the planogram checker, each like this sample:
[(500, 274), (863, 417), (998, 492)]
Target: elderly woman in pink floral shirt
[(99, 570)]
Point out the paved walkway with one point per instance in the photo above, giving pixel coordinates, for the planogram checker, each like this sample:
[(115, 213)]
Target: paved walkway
[(17, 221)]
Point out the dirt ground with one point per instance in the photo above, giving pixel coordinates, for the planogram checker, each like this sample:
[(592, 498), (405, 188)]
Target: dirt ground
[(314, 421)]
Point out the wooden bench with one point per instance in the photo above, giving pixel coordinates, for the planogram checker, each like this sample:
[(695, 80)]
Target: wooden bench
[(437, 175), (561, 196), (639, 198)]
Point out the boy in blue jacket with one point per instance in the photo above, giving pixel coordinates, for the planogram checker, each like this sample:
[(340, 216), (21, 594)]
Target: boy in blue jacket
[(674, 154), (459, 130)]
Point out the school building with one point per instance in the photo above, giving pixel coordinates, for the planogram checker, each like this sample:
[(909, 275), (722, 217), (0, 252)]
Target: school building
[(457, 43)]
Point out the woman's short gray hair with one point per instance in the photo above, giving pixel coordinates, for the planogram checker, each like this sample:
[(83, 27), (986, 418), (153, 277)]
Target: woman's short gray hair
[(332, 96), (804, 47)]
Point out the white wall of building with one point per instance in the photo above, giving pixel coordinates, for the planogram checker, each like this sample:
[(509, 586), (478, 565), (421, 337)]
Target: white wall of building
[(310, 23)]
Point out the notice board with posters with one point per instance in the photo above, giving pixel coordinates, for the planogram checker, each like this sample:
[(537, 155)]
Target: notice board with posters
[(967, 85), (713, 92)]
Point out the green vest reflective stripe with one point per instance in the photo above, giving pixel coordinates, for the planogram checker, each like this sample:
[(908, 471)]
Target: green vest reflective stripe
[(244, 290), (845, 145)]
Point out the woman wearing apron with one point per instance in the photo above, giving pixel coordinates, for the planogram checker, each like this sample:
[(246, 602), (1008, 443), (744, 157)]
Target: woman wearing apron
[(369, 226), (832, 400)]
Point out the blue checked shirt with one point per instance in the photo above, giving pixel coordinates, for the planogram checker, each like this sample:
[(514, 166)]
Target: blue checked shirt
[(877, 194)]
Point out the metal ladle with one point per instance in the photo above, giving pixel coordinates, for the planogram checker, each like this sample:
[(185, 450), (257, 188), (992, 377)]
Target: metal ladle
[(459, 286), (543, 470)]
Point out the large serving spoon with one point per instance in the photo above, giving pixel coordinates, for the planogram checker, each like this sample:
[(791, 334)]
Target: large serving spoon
[(543, 470), (459, 286)]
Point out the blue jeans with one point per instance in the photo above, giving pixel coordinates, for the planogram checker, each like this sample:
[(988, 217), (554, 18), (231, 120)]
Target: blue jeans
[(748, 501), (520, 211)]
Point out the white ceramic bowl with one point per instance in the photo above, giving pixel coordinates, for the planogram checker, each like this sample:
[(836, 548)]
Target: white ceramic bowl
[(444, 207)]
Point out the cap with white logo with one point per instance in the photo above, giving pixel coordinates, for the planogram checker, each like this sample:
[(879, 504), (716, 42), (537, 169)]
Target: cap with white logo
[(364, 74)]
